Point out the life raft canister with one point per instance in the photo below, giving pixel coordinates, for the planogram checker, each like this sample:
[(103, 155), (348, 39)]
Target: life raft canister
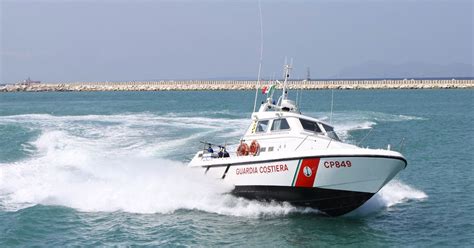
[(243, 149), (254, 148)]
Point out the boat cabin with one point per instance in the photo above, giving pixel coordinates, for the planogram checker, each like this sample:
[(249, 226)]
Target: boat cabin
[(277, 123), (279, 126)]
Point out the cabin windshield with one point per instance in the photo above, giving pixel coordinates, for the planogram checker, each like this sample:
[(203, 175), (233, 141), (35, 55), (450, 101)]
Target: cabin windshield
[(262, 126), (280, 124), (330, 132), (310, 126)]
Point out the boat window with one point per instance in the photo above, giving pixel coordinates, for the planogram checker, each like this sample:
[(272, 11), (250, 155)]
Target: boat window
[(262, 126), (330, 132), (327, 128), (280, 124), (310, 126)]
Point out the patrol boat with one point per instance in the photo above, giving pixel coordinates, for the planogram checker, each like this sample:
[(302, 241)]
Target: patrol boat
[(290, 157)]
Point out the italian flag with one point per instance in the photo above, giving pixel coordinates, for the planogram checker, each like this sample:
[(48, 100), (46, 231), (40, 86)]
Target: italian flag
[(268, 89)]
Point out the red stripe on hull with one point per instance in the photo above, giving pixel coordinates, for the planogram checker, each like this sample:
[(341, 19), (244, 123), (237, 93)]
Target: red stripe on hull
[(307, 173)]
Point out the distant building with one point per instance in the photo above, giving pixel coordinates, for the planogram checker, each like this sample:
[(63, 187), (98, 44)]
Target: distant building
[(28, 81)]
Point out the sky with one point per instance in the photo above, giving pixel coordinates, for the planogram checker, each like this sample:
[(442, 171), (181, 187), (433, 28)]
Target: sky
[(104, 40)]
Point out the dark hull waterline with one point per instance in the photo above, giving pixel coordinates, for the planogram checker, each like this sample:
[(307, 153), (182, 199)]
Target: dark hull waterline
[(331, 202)]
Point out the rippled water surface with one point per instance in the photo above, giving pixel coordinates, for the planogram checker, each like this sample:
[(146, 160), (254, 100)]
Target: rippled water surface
[(109, 168)]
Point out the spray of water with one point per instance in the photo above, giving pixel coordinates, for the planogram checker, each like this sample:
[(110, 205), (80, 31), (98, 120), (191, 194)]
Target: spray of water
[(75, 172), (395, 192)]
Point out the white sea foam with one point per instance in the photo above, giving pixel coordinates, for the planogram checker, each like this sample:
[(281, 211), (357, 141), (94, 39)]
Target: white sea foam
[(70, 171), (347, 121), (138, 134), (395, 192), (121, 163)]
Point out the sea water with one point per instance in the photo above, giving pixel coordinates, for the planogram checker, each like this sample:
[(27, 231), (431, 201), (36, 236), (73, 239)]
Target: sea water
[(109, 168)]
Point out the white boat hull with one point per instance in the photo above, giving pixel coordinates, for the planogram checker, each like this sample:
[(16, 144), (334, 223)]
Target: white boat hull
[(334, 184)]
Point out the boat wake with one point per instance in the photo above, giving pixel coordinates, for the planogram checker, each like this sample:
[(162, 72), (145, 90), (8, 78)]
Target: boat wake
[(347, 121), (89, 180), (129, 163)]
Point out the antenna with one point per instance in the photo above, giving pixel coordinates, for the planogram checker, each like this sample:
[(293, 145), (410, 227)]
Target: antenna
[(301, 98), (284, 94), (307, 79), (332, 104), (297, 90), (261, 56)]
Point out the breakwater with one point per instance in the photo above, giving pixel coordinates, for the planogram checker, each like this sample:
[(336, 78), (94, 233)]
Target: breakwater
[(241, 85)]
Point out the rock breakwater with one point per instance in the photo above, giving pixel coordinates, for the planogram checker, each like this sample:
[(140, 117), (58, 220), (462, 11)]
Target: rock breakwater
[(191, 85)]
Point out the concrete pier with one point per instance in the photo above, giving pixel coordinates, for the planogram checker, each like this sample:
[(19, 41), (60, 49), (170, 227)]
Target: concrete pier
[(191, 85)]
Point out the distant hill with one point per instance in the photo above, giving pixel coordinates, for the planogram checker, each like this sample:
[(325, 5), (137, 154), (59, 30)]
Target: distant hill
[(376, 69)]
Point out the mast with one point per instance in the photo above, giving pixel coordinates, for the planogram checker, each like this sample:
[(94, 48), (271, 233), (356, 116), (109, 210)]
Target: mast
[(284, 94), (261, 56)]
